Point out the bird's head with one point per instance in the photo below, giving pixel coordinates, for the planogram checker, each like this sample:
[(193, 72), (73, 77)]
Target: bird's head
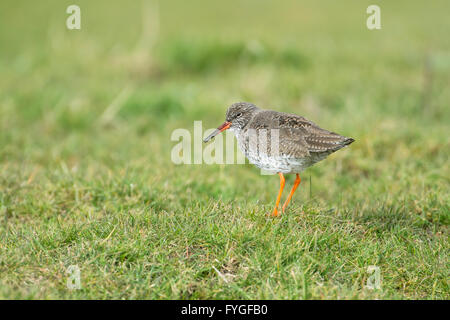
[(237, 117)]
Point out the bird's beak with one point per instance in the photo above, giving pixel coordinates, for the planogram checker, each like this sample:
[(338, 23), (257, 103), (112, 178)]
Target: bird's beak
[(223, 127)]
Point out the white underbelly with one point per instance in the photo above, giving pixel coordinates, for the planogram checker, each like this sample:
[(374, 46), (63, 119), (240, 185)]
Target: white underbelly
[(281, 164)]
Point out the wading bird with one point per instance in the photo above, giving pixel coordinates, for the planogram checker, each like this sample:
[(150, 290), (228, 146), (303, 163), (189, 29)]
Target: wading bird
[(279, 142)]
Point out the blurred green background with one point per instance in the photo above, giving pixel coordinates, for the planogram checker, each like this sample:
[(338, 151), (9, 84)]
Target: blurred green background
[(86, 176)]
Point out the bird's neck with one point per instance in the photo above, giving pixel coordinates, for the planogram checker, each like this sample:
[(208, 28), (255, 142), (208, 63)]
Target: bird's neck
[(236, 131)]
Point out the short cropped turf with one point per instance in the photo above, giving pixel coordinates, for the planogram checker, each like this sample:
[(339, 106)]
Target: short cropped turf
[(87, 178)]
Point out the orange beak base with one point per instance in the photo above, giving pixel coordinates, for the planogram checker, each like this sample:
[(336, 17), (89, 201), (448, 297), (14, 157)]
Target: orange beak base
[(221, 128)]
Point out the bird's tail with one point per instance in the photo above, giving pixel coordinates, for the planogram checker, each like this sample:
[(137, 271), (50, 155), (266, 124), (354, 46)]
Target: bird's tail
[(348, 141)]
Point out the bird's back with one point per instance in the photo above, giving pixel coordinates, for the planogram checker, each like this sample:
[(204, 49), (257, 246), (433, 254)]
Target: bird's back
[(293, 141)]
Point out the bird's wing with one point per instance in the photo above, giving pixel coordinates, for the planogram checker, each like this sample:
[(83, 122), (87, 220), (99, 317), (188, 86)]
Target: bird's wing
[(284, 139), (300, 136)]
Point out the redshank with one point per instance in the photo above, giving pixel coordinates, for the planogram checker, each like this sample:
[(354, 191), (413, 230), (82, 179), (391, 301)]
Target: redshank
[(279, 142)]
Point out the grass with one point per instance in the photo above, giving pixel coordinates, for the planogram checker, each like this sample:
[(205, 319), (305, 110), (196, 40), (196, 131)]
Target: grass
[(86, 177)]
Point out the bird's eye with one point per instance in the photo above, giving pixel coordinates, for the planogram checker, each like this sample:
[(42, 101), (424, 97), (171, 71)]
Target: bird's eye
[(239, 114)]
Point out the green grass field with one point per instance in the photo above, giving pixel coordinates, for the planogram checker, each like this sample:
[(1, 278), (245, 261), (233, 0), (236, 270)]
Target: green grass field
[(86, 176)]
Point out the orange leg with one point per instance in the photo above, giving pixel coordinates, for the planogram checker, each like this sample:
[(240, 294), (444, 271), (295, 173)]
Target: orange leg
[(296, 183), (282, 180)]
